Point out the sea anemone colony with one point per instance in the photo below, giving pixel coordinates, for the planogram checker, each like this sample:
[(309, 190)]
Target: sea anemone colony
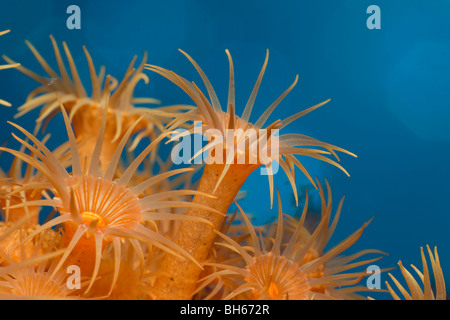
[(107, 215)]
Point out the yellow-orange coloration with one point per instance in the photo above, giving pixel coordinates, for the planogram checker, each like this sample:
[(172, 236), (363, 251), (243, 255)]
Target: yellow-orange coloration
[(136, 231), (15, 215), (122, 209), (32, 278), (86, 111), (283, 279), (289, 270), (197, 238), (415, 290), (273, 291), (227, 172), (12, 246)]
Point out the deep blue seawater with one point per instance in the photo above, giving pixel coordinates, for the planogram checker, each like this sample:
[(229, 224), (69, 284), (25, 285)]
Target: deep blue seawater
[(389, 90)]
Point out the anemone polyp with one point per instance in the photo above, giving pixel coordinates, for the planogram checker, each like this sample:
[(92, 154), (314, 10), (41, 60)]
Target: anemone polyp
[(31, 282), (295, 268), (31, 275), (26, 267), (277, 278), (85, 110), (112, 205), (226, 177), (213, 117), (95, 206)]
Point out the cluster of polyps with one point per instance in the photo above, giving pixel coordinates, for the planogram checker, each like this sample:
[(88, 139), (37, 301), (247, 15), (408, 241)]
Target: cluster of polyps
[(117, 222), (93, 205)]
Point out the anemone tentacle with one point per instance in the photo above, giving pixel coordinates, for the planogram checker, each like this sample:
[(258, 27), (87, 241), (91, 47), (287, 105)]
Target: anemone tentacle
[(415, 290)]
